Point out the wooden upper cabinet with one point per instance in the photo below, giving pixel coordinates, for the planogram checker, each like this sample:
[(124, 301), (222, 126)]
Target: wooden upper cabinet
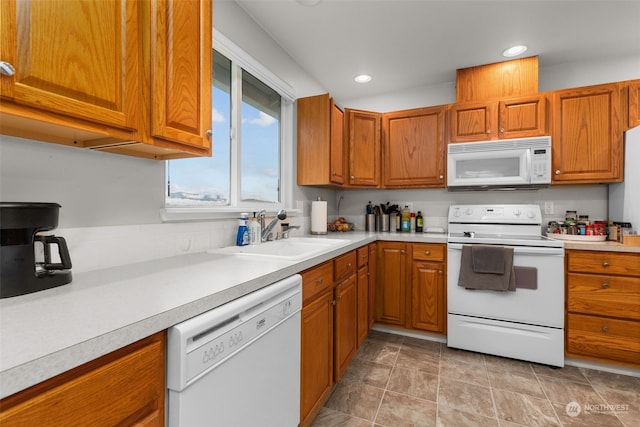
[(320, 141), (181, 76), (413, 150), (363, 130), (506, 79), (632, 92), (587, 135), (472, 121), (125, 76), (78, 59), (522, 117), (506, 118)]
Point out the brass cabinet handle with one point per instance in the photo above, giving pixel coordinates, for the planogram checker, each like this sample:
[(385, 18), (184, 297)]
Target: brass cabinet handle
[(488, 131), (319, 281), (605, 264), (348, 265), (427, 252), (340, 297), (402, 252), (440, 272), (605, 329), (557, 171), (605, 286)]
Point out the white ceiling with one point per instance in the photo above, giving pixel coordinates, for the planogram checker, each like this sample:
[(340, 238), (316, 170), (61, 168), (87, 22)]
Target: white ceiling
[(413, 43)]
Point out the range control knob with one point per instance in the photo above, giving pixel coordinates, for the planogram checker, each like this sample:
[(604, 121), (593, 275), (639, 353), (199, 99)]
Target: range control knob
[(468, 212), (517, 212), (531, 214)]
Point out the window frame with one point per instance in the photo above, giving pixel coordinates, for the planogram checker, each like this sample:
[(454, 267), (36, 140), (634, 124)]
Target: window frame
[(239, 57)]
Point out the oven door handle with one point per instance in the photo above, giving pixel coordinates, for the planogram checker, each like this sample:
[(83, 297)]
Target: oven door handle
[(521, 250)]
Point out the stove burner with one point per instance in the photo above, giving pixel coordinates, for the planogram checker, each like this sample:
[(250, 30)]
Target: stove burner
[(471, 234)]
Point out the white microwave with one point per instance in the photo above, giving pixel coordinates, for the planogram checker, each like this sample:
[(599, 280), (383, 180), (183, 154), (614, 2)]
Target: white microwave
[(501, 164)]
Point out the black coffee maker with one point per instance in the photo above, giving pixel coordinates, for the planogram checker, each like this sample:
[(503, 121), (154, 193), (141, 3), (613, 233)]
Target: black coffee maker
[(20, 272)]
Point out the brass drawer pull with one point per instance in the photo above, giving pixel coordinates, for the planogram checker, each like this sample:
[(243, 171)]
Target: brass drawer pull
[(319, 281), (427, 252), (605, 264), (605, 329), (605, 286)]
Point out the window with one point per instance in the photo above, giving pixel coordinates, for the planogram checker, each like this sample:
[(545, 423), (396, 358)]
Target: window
[(250, 167)]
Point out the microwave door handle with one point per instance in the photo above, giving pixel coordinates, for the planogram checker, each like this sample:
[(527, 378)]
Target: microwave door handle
[(528, 159)]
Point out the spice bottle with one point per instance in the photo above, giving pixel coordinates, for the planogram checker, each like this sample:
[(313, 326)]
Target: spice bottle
[(412, 222)]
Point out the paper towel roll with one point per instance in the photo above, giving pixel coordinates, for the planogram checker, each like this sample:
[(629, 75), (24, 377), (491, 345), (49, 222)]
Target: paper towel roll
[(319, 217)]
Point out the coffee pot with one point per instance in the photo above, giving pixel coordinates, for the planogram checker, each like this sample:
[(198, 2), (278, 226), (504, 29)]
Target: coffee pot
[(21, 271)]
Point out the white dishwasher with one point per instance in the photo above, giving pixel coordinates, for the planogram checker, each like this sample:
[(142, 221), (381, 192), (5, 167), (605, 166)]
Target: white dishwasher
[(238, 365)]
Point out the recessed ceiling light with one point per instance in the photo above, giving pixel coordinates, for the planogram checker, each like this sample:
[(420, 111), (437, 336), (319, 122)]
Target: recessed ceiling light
[(308, 2), (363, 78), (514, 51)]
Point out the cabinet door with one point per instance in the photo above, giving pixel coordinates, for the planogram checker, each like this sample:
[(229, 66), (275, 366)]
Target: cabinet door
[(586, 135), (337, 145), (363, 130), (126, 387), (181, 72), (634, 104), (522, 117), (316, 356), (413, 148), (372, 284), (93, 73), (363, 303), (427, 296), (391, 283), (474, 121), (346, 328), (314, 151)]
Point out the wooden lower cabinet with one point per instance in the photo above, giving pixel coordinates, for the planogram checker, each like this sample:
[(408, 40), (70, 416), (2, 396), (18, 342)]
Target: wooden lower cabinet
[(126, 387), (335, 320), (372, 283), (391, 277), (316, 374), (428, 296), (346, 325), (411, 285), (603, 306)]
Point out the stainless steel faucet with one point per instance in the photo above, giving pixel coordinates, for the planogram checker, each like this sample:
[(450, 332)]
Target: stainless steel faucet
[(267, 230)]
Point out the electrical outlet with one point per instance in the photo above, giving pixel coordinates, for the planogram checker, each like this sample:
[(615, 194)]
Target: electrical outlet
[(548, 208)]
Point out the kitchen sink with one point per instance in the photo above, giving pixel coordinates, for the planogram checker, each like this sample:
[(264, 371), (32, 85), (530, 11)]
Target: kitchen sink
[(293, 248)]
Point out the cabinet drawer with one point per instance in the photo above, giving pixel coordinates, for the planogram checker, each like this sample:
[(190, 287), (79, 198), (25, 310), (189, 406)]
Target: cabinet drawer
[(627, 264), (363, 256), (344, 266), (316, 280), (611, 296), (604, 338), (428, 251)]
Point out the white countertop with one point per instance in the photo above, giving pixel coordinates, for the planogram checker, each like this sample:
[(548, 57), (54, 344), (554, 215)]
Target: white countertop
[(46, 333)]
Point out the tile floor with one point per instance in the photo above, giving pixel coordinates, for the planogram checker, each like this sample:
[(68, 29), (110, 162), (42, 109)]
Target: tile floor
[(397, 381)]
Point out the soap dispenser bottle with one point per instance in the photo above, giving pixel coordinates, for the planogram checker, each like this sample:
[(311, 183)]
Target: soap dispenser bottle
[(242, 238), (255, 231)]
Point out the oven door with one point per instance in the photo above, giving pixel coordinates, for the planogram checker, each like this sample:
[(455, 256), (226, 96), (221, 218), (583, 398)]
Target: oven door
[(543, 306), (488, 168)]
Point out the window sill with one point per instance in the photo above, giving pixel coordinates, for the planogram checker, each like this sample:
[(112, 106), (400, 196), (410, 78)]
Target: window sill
[(207, 214)]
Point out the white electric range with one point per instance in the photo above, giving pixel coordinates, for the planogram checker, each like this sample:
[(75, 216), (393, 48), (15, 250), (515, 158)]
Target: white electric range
[(526, 323)]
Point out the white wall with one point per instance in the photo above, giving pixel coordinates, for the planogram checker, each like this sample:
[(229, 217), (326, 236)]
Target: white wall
[(101, 189)]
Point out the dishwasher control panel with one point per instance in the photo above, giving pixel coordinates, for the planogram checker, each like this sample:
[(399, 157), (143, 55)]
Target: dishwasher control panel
[(199, 345)]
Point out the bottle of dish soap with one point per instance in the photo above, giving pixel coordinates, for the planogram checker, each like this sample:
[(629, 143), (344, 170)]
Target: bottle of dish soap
[(255, 231), (406, 219), (242, 238)]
